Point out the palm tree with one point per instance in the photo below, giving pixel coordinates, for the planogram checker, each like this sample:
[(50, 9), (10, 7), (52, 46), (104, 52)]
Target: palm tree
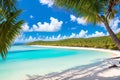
[(9, 25), (95, 11)]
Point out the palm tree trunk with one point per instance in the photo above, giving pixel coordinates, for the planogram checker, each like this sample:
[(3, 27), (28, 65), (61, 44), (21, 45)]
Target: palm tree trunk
[(112, 34)]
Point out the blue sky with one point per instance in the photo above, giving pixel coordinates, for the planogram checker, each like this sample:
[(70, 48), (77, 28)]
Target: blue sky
[(45, 21)]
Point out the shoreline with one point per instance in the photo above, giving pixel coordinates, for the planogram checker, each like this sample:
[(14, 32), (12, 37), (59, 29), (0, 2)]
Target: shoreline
[(115, 53), (95, 71)]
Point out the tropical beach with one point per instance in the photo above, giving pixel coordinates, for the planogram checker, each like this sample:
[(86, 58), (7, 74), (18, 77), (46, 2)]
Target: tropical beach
[(97, 71), (59, 39), (60, 63)]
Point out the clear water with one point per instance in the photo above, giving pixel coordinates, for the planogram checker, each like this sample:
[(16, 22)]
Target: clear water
[(24, 60)]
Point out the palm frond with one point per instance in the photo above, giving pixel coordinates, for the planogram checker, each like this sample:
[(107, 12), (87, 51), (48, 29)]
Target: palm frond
[(112, 14), (10, 27), (89, 9)]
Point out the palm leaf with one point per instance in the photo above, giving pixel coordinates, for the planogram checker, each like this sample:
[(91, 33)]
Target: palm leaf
[(10, 27), (112, 14), (89, 9)]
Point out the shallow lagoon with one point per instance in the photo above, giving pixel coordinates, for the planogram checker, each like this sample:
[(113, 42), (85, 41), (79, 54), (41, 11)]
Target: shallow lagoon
[(29, 60)]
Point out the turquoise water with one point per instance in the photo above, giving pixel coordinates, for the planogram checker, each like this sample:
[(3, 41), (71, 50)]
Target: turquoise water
[(24, 60)]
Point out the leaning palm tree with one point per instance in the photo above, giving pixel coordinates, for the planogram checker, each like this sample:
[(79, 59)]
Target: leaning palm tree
[(9, 25), (95, 11)]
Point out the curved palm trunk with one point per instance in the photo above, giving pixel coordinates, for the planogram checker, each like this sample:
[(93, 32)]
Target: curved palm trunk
[(112, 34)]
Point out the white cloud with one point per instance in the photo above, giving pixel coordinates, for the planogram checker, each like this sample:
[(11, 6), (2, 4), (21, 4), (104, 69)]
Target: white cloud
[(114, 25), (73, 18), (25, 27), (31, 16), (64, 37), (53, 38), (22, 39), (47, 2), (53, 26), (101, 25), (30, 38), (79, 20), (72, 35), (59, 36), (35, 28), (97, 34), (82, 34)]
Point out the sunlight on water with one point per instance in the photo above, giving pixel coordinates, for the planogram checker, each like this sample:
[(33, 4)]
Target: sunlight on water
[(23, 60)]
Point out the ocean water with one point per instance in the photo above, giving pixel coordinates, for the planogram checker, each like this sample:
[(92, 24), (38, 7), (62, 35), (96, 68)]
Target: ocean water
[(29, 60)]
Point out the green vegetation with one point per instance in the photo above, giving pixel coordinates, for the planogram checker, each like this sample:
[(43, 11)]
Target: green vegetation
[(94, 11), (10, 27), (96, 42)]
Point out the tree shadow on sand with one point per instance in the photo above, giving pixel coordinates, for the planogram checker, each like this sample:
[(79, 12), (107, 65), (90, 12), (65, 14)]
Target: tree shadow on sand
[(94, 71)]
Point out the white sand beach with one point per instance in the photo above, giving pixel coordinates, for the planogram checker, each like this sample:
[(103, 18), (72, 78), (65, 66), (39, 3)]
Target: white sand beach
[(95, 71), (114, 53)]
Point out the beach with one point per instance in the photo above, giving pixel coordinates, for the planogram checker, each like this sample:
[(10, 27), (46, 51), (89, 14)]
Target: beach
[(60, 40), (114, 53), (94, 71)]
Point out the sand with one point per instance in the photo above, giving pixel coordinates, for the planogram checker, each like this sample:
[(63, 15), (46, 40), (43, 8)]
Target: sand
[(95, 71), (114, 53)]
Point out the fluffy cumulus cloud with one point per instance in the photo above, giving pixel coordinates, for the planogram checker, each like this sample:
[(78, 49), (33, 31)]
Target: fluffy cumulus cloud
[(53, 26), (114, 25), (81, 34), (25, 27), (96, 34), (47, 2), (79, 20), (22, 39), (72, 35), (73, 18)]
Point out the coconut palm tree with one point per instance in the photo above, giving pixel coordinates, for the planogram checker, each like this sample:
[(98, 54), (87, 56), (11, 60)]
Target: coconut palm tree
[(9, 25), (95, 11)]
